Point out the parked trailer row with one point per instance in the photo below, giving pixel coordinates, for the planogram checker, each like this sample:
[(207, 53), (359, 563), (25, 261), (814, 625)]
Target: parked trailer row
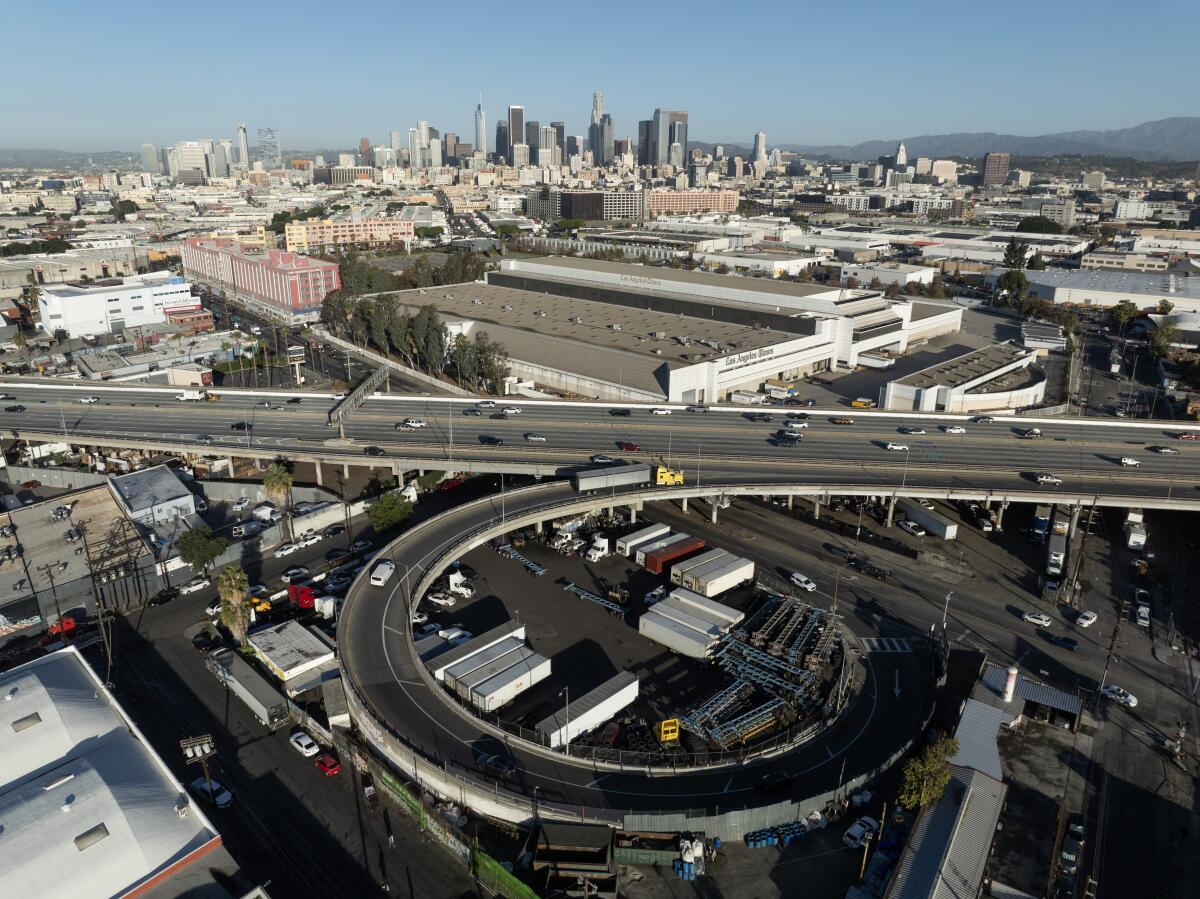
[(657, 561), (509, 684), (470, 665), (235, 673), (681, 569), (675, 636), (449, 659), (590, 711), (725, 617), (688, 617), (469, 683), (724, 575), (640, 554), (628, 543), (934, 523)]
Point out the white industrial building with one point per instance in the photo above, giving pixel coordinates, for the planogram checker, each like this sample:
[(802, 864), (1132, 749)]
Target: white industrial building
[(112, 305), (153, 495), (1108, 288), (887, 273), (88, 809), (992, 378)]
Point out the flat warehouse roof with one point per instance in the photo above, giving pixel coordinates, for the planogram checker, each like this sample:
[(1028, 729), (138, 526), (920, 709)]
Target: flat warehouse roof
[(966, 368), (1117, 281)]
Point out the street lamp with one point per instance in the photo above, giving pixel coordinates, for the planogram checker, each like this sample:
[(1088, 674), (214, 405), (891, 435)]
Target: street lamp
[(904, 476), (946, 610), (566, 692)]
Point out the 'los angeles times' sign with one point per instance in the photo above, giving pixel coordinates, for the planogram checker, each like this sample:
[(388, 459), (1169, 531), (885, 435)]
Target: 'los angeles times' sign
[(746, 358)]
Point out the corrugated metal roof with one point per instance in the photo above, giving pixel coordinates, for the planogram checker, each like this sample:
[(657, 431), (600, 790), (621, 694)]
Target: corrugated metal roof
[(976, 735), (1031, 690), (949, 847)]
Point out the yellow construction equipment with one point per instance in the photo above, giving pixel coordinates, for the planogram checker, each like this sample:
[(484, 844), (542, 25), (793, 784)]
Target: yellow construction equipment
[(667, 731)]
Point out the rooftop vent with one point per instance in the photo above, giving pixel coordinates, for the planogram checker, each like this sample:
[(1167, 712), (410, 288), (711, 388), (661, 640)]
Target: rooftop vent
[(507, 307), (476, 302), (658, 335), (614, 326), (576, 319)]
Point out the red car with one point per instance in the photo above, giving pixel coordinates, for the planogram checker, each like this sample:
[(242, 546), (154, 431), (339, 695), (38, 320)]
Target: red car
[(31, 485), (450, 484), (628, 447), (328, 765), (1182, 435)]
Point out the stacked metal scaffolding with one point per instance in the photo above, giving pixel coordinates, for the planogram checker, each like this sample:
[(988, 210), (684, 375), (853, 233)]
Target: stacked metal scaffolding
[(611, 607)]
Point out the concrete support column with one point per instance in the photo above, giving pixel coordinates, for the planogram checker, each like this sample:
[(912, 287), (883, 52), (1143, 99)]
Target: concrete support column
[(891, 509), (633, 514), (685, 499), (1000, 516), (345, 471), (320, 483), (791, 501), (816, 507), (611, 509), (1074, 521), (537, 528), (713, 505), (420, 472)]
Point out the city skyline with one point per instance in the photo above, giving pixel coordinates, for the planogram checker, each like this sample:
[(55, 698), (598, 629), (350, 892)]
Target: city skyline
[(800, 108)]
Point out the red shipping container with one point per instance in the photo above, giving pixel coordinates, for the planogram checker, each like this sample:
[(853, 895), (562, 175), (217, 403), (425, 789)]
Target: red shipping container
[(659, 559)]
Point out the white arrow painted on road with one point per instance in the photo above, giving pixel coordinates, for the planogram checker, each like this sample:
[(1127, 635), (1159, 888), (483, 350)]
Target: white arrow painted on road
[(896, 689)]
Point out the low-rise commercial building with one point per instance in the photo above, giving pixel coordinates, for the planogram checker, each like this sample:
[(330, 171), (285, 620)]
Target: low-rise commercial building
[(153, 495), (276, 282), (1108, 288), (886, 274), (994, 377), (333, 234), (110, 306), (1116, 260)]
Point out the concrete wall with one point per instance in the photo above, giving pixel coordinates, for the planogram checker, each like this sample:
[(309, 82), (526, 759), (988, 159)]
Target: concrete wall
[(51, 476)]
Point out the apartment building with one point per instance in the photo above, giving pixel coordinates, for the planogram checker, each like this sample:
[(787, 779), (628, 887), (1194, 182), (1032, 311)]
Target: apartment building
[(691, 202), (312, 235)]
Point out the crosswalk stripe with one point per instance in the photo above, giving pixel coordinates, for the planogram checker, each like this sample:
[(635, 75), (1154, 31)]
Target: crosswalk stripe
[(885, 644)]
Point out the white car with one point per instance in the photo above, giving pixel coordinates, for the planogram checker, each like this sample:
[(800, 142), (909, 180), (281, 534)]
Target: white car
[(860, 832), (195, 584), (954, 429), (912, 527), (304, 744), (660, 411), (413, 423), (213, 608), (1087, 619), (1116, 694), (1166, 451), (601, 460), (89, 400), (310, 539), (420, 618), (1052, 480), (217, 795), (338, 397), (898, 447), (925, 503), (285, 549), (241, 503), (1130, 461), (803, 581), (531, 437), (382, 572), (1143, 616), (1041, 619), (486, 404), (442, 599), (913, 431), (293, 574), (511, 410)]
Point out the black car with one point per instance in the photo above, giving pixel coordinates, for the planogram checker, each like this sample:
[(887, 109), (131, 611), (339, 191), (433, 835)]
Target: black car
[(497, 764), (242, 426), (490, 440), (836, 550), (756, 416), (204, 642), (17, 408), (1068, 643), (338, 552), (295, 401), (164, 596), (333, 530), (620, 413), (374, 451), (876, 572)]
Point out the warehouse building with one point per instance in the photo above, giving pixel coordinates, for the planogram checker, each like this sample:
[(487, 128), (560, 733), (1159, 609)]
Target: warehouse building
[(991, 378), (1109, 288), (109, 306)]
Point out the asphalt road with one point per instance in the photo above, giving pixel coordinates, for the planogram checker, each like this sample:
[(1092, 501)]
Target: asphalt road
[(375, 656), (1085, 454)]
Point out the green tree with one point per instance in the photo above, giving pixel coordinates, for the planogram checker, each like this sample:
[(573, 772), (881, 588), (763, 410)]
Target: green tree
[(1014, 254), (1015, 283), (199, 548), (233, 586), (1036, 263), (379, 316), (1162, 338), (937, 288), (429, 231), (1039, 224), (926, 775), (493, 362), (464, 359), (1123, 313), (277, 485), (429, 338), (336, 310), (388, 511), (568, 224), (1165, 307)]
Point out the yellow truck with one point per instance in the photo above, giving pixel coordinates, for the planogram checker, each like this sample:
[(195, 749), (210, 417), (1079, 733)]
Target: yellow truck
[(667, 477)]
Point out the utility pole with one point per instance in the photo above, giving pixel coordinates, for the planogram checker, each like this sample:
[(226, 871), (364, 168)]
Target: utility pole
[(1087, 529), (105, 632), (49, 570), (1112, 645)]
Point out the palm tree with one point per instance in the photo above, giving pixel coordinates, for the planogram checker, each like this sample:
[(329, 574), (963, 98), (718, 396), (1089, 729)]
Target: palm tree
[(234, 589), (277, 484)]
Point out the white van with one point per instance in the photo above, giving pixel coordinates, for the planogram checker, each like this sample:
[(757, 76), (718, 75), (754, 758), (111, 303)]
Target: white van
[(382, 573)]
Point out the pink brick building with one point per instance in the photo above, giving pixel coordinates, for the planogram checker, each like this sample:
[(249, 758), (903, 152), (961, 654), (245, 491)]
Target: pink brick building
[(691, 202), (284, 283)]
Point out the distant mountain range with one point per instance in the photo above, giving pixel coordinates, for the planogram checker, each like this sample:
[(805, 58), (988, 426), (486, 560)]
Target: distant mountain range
[(1171, 139)]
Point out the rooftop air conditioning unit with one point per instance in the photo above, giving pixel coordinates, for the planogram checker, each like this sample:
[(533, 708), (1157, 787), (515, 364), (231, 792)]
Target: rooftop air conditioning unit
[(658, 352), (576, 319), (658, 335), (614, 326), (476, 302), (507, 307)]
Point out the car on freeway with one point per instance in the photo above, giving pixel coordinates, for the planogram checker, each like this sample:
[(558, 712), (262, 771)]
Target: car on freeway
[(533, 437), (619, 413), (194, 585), (983, 419), (285, 549), (89, 400), (374, 451), (211, 791), (798, 416), (1119, 695), (911, 527), (659, 410), (1182, 435), (601, 459), (442, 599), (875, 571), (1087, 619), (293, 574), (1129, 461), (1030, 433), (511, 410), (913, 431), (486, 404), (1041, 619), (842, 420), (497, 764), (241, 426), (628, 447), (304, 744), (756, 416), (897, 447), (1068, 643), (338, 397), (773, 781), (860, 832), (1165, 450), (327, 764), (471, 410), (263, 404), (802, 581), (697, 407), (954, 429), (16, 408), (295, 401), (164, 596), (413, 423), (836, 550), (491, 440), (29, 485), (7, 396), (1044, 478)]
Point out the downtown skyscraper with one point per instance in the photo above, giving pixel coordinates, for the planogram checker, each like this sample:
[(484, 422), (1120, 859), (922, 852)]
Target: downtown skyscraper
[(480, 128)]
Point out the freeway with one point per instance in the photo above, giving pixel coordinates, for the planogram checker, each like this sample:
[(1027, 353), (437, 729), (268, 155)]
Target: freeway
[(376, 657), (1085, 453)]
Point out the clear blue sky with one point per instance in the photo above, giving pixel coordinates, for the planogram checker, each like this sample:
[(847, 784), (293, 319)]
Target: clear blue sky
[(91, 77)]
